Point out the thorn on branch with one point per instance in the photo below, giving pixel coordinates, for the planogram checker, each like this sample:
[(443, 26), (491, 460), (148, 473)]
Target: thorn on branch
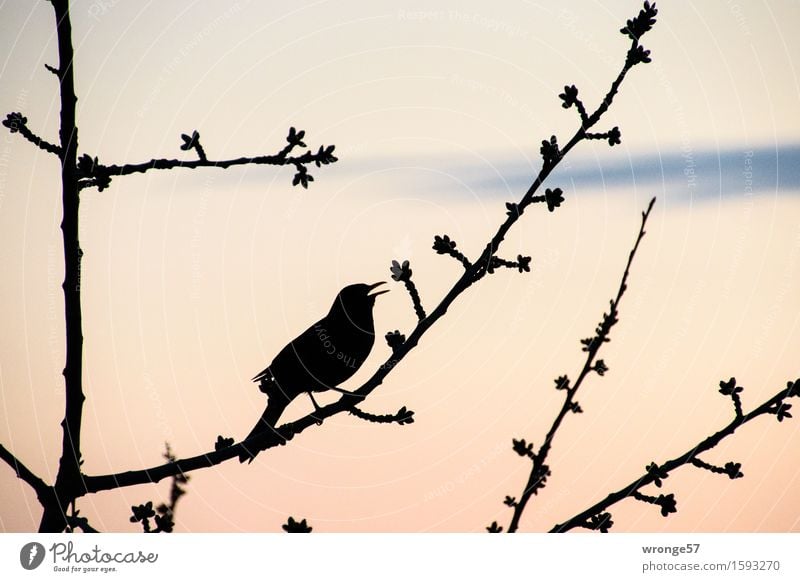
[(730, 388), (401, 417), (444, 245), (731, 469), (293, 526), (53, 70), (402, 273), (667, 503)]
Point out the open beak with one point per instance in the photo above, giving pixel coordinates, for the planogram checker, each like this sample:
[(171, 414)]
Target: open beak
[(371, 287)]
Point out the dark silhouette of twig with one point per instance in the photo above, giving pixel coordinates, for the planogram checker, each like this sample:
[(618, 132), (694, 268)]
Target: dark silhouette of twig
[(401, 417), (540, 471), (402, 272), (655, 474), (17, 123), (553, 198), (444, 245)]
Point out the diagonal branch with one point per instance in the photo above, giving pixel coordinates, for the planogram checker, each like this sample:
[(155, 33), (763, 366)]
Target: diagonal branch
[(166, 164), (539, 470), (770, 406), (17, 123), (39, 486)]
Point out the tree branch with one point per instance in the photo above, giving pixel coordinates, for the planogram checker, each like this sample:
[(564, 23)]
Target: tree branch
[(539, 470), (771, 406), (17, 123), (39, 486), (94, 174)]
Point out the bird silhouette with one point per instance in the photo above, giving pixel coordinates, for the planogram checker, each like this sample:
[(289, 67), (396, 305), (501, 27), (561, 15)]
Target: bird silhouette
[(319, 359)]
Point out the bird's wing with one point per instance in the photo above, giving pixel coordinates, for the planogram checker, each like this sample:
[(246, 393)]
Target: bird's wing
[(297, 355)]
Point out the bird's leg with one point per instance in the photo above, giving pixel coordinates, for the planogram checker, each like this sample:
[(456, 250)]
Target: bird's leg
[(346, 393), (317, 407)]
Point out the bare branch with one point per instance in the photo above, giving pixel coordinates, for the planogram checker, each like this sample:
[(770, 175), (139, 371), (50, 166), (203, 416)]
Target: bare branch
[(94, 174), (402, 272), (771, 406), (539, 470)]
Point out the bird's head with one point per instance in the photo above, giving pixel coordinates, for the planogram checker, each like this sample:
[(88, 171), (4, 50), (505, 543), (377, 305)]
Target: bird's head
[(357, 302)]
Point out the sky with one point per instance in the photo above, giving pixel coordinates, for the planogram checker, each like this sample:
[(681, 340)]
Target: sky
[(194, 280)]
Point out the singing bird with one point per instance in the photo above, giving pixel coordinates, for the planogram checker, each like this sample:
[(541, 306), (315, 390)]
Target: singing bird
[(319, 359)]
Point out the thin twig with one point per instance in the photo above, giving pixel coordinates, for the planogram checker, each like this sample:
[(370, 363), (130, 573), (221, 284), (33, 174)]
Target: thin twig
[(17, 123), (538, 471)]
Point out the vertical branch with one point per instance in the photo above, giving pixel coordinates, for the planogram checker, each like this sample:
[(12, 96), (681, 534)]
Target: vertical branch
[(69, 477)]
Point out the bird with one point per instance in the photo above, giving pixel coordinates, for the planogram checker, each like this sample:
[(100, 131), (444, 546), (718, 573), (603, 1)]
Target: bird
[(319, 359)]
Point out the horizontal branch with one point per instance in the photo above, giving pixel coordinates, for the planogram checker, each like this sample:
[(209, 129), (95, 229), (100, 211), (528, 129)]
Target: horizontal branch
[(92, 173), (39, 486), (165, 164), (768, 407)]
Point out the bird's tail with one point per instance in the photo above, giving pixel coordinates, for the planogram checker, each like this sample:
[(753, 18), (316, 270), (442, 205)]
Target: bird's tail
[(265, 425)]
